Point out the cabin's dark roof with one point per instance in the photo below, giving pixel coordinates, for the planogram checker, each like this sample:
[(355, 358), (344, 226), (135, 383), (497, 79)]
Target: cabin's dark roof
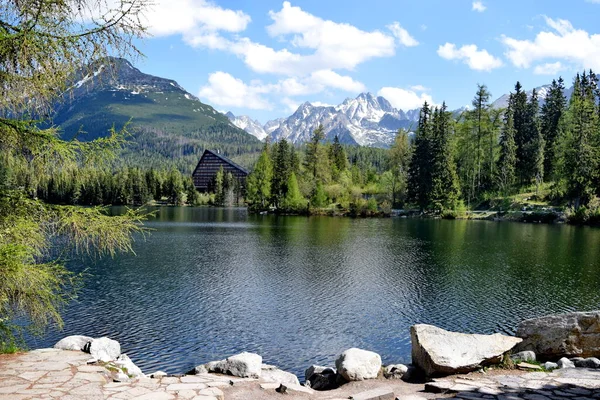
[(225, 159)]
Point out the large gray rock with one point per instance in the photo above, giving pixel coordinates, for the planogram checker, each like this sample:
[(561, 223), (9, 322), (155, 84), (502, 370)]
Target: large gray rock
[(357, 364), (244, 365), (270, 373), (104, 349), (440, 352), (565, 335), (76, 342), (321, 378)]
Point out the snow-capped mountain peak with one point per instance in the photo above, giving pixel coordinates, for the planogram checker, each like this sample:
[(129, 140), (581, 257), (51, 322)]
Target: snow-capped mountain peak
[(248, 124)]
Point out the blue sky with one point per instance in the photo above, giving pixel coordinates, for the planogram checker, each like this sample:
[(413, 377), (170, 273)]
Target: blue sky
[(264, 58)]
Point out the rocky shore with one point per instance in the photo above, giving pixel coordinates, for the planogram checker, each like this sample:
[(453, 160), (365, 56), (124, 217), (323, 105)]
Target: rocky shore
[(550, 357)]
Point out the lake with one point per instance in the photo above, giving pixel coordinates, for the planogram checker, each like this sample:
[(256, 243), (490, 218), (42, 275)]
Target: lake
[(208, 283)]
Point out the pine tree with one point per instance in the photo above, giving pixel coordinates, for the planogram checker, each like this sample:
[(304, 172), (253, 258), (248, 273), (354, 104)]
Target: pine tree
[(444, 192), (508, 152), (551, 116), (312, 151), (533, 153), (580, 165), (337, 158), (519, 107), (281, 172), (419, 177)]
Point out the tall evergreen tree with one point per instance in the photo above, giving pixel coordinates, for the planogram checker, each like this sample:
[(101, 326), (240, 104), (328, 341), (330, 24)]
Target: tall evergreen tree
[(419, 177), (533, 146), (444, 192), (580, 165), (281, 171), (508, 152), (337, 157), (551, 116), (312, 151), (519, 107)]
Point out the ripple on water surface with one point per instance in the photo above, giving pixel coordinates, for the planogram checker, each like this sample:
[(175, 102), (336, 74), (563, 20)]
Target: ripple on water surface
[(208, 283)]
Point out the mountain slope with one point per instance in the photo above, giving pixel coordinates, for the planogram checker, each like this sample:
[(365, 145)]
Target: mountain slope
[(167, 122)]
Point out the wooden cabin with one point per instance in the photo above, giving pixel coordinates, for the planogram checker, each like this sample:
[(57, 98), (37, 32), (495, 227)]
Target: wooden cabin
[(208, 166)]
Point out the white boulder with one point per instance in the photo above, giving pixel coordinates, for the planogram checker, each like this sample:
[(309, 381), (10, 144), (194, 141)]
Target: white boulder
[(76, 342), (104, 349), (125, 363), (440, 352), (243, 365), (357, 364), (270, 373)]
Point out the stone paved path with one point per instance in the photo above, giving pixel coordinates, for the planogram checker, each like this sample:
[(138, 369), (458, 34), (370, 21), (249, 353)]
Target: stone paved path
[(61, 374), (569, 383)]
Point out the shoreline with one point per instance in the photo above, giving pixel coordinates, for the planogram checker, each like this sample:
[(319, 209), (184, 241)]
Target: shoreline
[(445, 364)]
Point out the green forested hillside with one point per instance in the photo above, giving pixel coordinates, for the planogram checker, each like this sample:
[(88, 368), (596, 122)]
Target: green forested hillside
[(168, 125)]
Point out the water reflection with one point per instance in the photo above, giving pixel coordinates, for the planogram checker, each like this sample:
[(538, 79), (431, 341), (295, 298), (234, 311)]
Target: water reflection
[(211, 282)]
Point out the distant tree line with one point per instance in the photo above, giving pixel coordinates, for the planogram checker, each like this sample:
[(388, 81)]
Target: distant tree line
[(451, 163)]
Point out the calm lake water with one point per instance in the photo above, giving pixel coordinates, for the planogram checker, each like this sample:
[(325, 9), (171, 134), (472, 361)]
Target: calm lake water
[(208, 283)]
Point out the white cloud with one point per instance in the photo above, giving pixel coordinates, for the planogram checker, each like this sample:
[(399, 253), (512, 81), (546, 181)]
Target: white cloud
[(225, 90), (478, 6), (561, 42), (404, 99), (479, 60), (331, 45), (548, 68), (329, 78), (188, 17), (419, 88), (593, 1), (402, 35)]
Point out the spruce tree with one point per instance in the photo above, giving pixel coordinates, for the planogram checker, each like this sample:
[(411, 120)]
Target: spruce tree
[(419, 177), (508, 152), (281, 172), (519, 107), (551, 116), (444, 192), (533, 153), (312, 151), (580, 165)]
